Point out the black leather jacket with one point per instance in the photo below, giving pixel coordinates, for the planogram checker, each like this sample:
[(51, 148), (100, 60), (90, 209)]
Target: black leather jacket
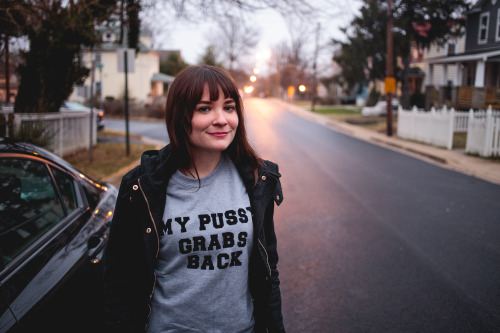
[(132, 248)]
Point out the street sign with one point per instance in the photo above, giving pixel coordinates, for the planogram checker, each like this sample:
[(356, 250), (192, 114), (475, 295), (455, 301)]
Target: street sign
[(130, 60), (390, 85)]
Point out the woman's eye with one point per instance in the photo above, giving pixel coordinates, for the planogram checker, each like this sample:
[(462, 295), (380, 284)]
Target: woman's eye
[(203, 109), (230, 108)]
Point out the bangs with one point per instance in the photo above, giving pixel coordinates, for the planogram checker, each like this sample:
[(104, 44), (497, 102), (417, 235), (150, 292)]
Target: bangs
[(214, 80)]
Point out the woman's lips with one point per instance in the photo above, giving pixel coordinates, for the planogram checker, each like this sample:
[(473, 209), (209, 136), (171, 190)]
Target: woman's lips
[(219, 134)]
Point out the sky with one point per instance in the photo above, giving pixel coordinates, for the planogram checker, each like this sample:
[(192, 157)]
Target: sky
[(192, 38)]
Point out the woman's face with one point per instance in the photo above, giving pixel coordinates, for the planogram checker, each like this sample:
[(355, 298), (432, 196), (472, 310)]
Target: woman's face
[(214, 123)]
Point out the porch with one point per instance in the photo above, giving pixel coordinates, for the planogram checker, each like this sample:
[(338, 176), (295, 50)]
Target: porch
[(476, 83), (463, 97)]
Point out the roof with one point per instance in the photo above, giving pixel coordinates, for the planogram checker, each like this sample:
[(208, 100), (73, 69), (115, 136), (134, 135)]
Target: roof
[(476, 8), (490, 55), (113, 45), (160, 77)]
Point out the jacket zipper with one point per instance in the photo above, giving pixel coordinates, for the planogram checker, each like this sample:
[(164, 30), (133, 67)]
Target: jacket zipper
[(267, 258), (157, 248)]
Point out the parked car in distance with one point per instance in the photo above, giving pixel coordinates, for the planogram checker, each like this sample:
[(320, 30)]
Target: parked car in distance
[(53, 221), (75, 106), (379, 109)]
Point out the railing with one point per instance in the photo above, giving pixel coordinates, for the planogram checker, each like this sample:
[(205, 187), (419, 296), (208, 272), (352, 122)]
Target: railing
[(492, 97), (66, 132), (465, 96)]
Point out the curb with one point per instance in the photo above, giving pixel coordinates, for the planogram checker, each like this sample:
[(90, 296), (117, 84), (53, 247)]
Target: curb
[(116, 177), (453, 160)]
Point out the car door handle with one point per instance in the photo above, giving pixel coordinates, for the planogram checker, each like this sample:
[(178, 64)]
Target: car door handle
[(95, 244)]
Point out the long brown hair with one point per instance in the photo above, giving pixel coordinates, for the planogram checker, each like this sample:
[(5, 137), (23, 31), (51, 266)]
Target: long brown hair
[(183, 96)]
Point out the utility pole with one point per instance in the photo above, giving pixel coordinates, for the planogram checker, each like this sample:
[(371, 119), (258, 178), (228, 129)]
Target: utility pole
[(125, 61), (315, 74), (390, 82)]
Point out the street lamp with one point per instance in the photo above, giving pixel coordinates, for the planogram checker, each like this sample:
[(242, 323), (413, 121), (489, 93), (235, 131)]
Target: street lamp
[(253, 78), (302, 88)]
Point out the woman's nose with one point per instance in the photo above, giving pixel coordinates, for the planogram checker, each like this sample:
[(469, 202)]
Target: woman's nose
[(219, 117)]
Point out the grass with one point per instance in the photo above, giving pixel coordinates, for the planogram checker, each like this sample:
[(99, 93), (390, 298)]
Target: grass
[(459, 140), (107, 158), (352, 115), (334, 110)]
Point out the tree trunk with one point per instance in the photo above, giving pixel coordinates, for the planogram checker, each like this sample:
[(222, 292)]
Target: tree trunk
[(405, 83), (7, 70)]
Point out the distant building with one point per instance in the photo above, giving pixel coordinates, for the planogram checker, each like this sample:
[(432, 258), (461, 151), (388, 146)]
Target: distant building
[(13, 78), (144, 84)]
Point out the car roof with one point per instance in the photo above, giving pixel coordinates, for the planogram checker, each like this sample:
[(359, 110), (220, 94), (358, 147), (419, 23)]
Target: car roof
[(9, 145)]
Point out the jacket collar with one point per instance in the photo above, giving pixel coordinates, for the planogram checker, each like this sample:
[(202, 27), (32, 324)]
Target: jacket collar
[(159, 169)]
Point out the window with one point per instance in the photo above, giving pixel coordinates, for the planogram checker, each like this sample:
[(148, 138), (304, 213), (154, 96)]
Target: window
[(29, 206), (98, 58), (497, 37), (66, 185), (483, 28), (83, 91), (452, 48)]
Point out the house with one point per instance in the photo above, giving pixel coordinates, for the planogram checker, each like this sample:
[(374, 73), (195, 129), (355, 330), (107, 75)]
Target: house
[(476, 81), (9, 79), (144, 84)]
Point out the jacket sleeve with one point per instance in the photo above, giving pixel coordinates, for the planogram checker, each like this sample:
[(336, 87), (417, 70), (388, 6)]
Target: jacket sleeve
[(274, 314), (121, 261)]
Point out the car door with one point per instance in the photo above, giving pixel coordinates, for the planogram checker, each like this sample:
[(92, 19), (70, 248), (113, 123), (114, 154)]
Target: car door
[(40, 224), (7, 318)]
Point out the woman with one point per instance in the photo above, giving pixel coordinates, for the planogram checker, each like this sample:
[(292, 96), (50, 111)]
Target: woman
[(192, 246)]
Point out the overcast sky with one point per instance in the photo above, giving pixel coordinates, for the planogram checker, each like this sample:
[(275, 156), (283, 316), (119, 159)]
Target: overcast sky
[(192, 37)]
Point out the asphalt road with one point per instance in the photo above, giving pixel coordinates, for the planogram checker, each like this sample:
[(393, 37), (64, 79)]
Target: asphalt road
[(371, 240), (148, 129)]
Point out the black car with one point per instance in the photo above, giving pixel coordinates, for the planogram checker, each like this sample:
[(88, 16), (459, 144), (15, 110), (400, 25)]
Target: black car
[(54, 220)]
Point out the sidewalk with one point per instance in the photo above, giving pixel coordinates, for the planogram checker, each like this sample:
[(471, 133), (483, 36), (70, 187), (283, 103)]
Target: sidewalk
[(452, 159)]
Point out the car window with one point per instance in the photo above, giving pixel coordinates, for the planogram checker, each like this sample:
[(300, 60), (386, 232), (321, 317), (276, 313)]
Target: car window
[(29, 206), (66, 186)]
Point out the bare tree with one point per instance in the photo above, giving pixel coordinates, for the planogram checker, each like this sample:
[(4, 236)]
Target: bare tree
[(234, 38)]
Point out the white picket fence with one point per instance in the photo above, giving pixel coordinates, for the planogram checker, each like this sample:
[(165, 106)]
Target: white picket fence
[(483, 133), (437, 128), (67, 132)]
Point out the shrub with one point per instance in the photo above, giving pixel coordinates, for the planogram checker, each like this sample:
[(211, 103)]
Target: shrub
[(417, 99), (372, 97)]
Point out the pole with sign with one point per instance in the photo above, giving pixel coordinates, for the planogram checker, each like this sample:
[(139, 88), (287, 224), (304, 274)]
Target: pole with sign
[(126, 65), (100, 66), (91, 111), (390, 82)]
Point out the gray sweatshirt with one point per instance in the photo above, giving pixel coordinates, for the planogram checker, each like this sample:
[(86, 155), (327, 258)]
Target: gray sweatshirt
[(205, 246)]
